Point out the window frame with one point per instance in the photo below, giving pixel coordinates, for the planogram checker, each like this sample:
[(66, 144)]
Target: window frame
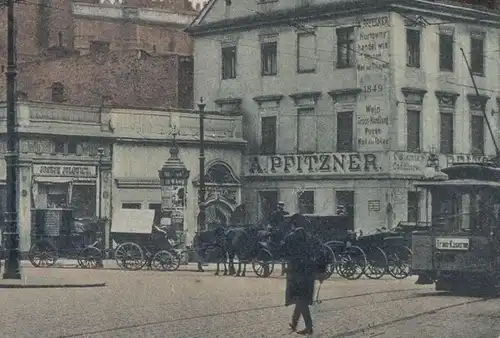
[(413, 210), (232, 53), (261, 194), (418, 132), (412, 46), (349, 42), (263, 150), (269, 50), (58, 92), (473, 149), (446, 64), (473, 54), (303, 35), (306, 111), (452, 136), (306, 205), (351, 146)]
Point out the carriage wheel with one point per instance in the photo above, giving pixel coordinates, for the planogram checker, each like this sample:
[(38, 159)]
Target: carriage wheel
[(400, 263), (376, 263), (165, 261), (352, 263), (129, 256), (90, 258), (263, 264), (331, 261), (43, 254)]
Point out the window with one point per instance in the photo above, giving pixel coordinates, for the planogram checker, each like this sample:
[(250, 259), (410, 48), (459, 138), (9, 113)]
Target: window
[(59, 146), (269, 55), (477, 135), (306, 130), (306, 202), (131, 205), (268, 200), (413, 206), (413, 47), (413, 131), (446, 52), (268, 132), (345, 132), (306, 52), (157, 208), (477, 54), (446, 136), (345, 198), (229, 62), (57, 196), (57, 92), (345, 47), (72, 147)]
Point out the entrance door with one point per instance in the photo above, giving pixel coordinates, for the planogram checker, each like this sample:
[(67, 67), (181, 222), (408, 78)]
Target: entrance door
[(346, 199)]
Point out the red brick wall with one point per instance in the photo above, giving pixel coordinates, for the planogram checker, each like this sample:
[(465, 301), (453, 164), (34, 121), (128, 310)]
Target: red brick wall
[(128, 79)]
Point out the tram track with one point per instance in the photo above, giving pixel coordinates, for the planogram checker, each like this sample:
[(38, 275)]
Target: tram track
[(249, 310)]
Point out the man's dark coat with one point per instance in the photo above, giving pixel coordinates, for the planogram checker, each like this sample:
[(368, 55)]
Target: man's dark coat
[(304, 265)]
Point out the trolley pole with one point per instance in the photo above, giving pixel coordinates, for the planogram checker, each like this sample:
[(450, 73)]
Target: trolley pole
[(12, 259), (201, 190)]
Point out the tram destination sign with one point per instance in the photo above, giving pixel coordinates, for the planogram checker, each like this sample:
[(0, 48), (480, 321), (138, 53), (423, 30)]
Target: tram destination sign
[(447, 243), (319, 163)]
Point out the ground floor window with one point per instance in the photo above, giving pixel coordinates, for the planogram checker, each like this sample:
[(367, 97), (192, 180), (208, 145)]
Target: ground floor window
[(268, 201), (413, 206), (83, 200), (306, 202)]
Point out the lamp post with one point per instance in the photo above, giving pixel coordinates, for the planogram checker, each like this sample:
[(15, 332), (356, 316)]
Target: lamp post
[(12, 260), (100, 154), (201, 190)]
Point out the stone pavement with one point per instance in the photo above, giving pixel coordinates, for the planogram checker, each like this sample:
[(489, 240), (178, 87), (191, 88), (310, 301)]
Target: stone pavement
[(188, 304), (52, 278)]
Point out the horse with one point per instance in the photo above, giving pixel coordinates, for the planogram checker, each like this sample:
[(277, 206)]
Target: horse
[(213, 240), (244, 243)]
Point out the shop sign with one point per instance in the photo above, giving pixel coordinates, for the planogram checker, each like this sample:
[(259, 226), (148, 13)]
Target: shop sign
[(304, 164), (415, 163), (64, 170)]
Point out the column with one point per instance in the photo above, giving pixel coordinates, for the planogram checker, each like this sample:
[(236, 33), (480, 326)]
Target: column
[(24, 203), (104, 199)]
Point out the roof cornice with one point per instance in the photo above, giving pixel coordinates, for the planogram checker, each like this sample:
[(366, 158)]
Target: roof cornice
[(348, 8)]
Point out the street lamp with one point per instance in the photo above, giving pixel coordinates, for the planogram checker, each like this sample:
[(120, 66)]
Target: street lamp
[(201, 190), (100, 154), (12, 259)]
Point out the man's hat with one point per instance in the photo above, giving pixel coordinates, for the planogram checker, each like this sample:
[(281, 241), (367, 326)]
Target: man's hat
[(281, 203)]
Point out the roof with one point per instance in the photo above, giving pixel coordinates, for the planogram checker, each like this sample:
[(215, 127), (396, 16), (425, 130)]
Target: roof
[(459, 183)]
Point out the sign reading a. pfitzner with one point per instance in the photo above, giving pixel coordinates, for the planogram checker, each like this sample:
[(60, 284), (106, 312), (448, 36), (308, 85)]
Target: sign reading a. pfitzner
[(322, 163)]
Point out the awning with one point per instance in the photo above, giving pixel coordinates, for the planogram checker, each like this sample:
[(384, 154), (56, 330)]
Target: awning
[(53, 180), (459, 183)]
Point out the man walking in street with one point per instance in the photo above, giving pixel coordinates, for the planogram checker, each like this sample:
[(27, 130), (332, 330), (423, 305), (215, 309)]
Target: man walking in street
[(277, 218), (304, 268)]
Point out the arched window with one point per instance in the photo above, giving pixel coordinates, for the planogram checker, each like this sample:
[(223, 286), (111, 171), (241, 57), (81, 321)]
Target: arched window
[(57, 92), (218, 173)]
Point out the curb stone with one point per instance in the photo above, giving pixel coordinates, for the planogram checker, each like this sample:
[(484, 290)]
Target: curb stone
[(49, 286)]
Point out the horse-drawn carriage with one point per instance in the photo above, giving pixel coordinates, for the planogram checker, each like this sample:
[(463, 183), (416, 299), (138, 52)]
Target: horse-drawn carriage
[(327, 230), (141, 243), (55, 233)]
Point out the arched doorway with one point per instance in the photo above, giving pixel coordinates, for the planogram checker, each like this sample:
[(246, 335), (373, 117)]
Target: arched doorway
[(217, 214)]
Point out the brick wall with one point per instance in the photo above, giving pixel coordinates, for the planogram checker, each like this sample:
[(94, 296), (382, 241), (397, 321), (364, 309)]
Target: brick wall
[(131, 78)]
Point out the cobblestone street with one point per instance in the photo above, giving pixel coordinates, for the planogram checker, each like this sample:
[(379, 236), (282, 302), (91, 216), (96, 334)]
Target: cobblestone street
[(191, 304)]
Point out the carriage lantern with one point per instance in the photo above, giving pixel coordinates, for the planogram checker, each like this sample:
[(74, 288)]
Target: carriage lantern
[(173, 181)]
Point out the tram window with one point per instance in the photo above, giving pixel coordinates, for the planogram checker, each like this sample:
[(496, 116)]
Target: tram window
[(131, 205)]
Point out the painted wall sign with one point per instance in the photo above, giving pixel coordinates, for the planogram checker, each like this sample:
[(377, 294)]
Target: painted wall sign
[(303, 164), (64, 170), (415, 163), (374, 205), (372, 61)]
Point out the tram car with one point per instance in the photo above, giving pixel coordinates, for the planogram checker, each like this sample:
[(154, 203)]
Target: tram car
[(460, 252)]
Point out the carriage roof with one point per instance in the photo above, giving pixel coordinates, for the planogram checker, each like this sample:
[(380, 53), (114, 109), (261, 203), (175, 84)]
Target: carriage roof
[(133, 221)]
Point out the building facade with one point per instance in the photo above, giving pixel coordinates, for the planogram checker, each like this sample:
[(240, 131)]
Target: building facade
[(344, 109), (142, 141), (60, 166)]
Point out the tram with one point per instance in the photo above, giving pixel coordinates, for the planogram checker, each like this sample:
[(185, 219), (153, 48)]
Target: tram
[(460, 252)]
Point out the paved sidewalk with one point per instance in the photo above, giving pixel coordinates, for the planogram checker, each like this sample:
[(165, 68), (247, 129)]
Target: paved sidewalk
[(52, 278)]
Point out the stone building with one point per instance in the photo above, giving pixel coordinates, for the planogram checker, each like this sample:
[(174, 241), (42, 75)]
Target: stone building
[(134, 53), (59, 160), (343, 108), (142, 140)]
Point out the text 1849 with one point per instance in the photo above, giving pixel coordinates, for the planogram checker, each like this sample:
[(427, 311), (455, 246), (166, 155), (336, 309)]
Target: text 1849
[(373, 88)]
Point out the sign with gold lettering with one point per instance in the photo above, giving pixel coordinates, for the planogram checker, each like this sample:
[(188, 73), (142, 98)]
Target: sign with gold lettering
[(307, 164), (64, 170), (372, 62)]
